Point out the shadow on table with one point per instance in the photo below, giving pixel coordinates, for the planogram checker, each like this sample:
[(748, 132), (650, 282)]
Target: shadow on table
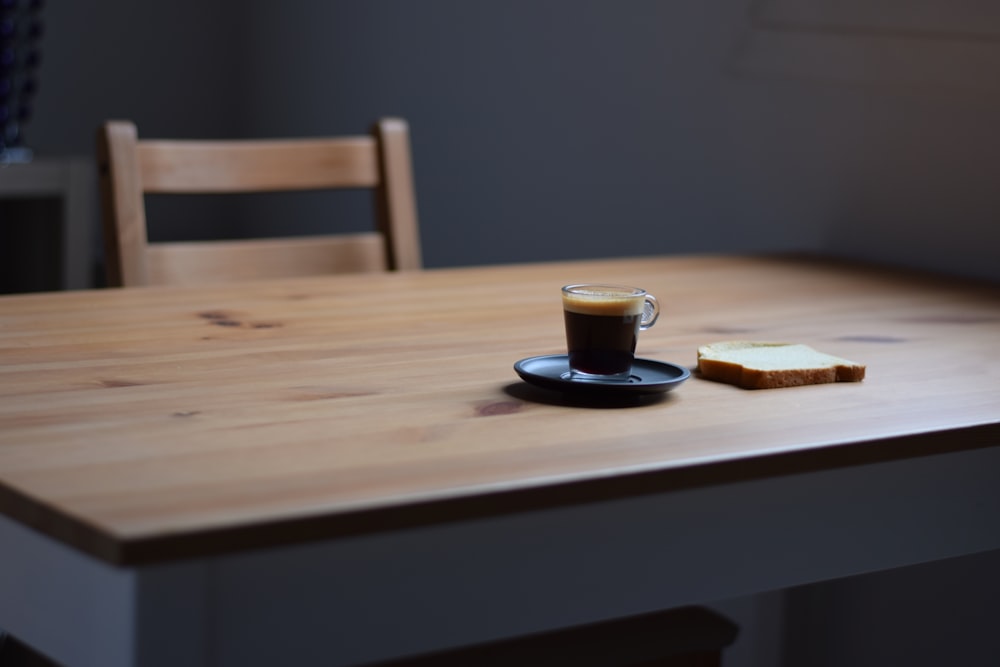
[(526, 392)]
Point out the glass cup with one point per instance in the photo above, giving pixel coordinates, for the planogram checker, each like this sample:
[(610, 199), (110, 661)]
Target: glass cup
[(602, 327)]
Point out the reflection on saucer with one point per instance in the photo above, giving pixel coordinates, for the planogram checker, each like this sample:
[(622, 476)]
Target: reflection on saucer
[(648, 376)]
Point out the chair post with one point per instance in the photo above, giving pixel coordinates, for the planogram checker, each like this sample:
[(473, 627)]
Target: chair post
[(396, 203), (124, 217)]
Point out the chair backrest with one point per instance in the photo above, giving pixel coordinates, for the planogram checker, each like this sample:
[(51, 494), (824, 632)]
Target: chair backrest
[(130, 168)]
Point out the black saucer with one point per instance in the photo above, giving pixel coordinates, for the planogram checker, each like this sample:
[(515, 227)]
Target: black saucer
[(648, 376)]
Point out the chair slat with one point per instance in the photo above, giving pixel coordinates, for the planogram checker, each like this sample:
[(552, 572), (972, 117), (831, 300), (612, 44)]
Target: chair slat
[(257, 166), (219, 261)]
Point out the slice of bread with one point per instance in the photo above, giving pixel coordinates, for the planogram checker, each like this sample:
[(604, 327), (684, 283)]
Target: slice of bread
[(755, 365)]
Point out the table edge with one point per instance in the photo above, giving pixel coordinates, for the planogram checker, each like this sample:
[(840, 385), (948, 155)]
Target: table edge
[(165, 548)]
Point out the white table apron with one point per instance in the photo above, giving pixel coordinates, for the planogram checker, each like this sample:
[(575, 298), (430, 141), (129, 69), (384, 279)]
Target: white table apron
[(374, 596)]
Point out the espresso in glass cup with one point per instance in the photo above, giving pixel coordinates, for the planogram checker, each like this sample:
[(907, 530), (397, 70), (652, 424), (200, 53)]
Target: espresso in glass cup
[(602, 328)]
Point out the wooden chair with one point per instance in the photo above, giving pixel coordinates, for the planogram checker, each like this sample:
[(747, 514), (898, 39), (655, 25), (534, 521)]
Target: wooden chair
[(130, 168), (684, 637)]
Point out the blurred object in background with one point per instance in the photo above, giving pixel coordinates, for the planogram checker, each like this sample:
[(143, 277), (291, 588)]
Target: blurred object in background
[(21, 31)]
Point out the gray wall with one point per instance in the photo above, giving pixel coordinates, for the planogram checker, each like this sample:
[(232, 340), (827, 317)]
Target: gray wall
[(580, 128), (548, 129)]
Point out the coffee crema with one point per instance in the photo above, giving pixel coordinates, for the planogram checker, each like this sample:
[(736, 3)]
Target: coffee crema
[(603, 304)]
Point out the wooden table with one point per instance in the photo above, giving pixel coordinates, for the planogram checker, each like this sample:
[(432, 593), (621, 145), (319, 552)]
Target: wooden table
[(349, 467)]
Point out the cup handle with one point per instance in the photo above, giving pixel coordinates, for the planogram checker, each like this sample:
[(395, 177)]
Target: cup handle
[(650, 312)]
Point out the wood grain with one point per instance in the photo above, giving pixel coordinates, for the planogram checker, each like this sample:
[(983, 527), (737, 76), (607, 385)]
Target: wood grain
[(255, 166), (145, 424)]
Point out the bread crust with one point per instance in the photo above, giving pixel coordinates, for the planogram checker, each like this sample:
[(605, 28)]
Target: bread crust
[(748, 377)]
